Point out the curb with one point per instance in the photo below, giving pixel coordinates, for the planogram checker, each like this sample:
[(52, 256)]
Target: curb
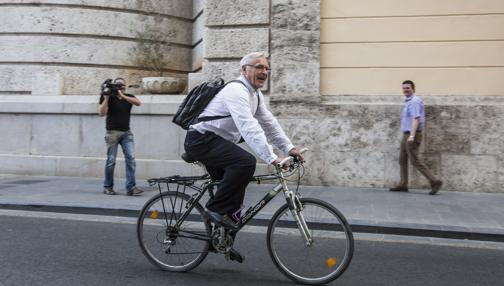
[(449, 232)]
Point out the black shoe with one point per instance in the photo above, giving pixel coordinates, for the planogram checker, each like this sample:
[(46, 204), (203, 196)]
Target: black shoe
[(134, 191), (398, 189), (221, 220), (211, 248), (435, 187), (109, 191), (236, 256)]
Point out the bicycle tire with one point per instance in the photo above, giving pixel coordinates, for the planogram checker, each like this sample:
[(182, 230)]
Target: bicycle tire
[(336, 257), (173, 200)]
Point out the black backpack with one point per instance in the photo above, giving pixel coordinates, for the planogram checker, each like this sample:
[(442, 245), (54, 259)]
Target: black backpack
[(196, 101)]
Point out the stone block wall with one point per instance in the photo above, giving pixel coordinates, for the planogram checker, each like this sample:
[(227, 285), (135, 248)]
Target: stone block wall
[(231, 30), (64, 136), (295, 48), (87, 41), (354, 140)]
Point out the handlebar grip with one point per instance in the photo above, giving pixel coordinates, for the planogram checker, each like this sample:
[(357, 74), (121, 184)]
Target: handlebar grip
[(290, 158), (285, 160)]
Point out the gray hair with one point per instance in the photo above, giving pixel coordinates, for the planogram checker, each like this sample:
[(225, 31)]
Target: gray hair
[(247, 59)]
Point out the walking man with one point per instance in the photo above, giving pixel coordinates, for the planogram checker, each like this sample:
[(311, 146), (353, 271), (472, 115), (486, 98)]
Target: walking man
[(116, 104), (412, 125)]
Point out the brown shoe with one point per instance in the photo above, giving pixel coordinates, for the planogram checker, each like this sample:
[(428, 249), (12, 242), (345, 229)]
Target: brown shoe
[(435, 187), (398, 189), (134, 192)]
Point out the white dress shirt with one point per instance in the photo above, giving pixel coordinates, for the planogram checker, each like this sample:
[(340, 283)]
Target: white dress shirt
[(249, 119)]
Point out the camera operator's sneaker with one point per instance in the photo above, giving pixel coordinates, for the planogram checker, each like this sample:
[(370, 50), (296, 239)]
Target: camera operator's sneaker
[(109, 191), (134, 191)]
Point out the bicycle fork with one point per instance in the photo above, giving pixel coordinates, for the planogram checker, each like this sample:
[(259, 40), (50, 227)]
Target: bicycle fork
[(300, 221), (296, 208)]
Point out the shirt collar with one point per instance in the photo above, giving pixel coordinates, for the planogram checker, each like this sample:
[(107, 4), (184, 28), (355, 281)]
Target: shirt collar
[(409, 98), (249, 86)]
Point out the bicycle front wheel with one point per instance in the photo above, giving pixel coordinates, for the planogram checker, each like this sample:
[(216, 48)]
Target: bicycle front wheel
[(314, 262), (169, 241)]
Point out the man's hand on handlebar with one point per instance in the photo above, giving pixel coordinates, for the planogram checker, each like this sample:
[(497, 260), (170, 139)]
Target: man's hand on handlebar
[(295, 152), (278, 160)]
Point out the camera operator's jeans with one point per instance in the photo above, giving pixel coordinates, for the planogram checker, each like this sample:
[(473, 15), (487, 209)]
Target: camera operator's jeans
[(114, 138)]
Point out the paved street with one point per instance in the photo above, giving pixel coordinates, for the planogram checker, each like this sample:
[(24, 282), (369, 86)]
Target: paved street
[(472, 215), (74, 249)]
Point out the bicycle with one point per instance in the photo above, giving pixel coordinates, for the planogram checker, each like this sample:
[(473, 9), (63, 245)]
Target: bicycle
[(175, 235)]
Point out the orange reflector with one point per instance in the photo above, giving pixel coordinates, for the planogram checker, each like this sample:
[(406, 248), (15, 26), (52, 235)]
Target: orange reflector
[(330, 262), (154, 215)]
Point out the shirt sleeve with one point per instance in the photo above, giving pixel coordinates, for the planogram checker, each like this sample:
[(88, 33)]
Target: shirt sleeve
[(272, 128), (237, 101)]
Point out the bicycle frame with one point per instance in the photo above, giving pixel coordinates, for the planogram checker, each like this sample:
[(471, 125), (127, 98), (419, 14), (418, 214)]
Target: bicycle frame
[(291, 198), (250, 213)]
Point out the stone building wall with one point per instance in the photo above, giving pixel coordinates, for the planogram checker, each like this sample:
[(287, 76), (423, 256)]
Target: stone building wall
[(354, 140)]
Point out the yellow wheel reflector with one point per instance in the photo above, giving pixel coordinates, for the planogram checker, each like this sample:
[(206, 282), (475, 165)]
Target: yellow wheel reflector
[(330, 262), (154, 215)]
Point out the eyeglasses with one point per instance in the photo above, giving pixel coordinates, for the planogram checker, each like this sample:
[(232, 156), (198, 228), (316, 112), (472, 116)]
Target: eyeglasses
[(261, 67)]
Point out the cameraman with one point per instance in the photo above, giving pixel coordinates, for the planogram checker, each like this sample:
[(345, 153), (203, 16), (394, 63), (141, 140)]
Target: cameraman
[(116, 104)]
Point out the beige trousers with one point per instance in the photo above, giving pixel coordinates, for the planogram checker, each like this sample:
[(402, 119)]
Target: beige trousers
[(409, 151)]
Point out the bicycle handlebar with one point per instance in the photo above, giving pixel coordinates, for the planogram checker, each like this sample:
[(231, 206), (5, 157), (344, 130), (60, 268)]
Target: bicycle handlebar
[(288, 159)]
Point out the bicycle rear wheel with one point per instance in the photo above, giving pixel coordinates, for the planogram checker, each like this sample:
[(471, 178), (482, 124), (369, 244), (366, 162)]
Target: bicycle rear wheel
[(168, 243), (330, 252)]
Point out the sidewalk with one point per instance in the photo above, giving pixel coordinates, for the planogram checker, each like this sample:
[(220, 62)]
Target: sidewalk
[(478, 216)]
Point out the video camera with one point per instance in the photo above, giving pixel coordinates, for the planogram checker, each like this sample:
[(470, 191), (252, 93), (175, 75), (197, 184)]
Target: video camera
[(110, 88)]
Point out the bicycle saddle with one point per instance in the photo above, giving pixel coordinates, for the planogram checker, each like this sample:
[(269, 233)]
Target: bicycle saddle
[(187, 158)]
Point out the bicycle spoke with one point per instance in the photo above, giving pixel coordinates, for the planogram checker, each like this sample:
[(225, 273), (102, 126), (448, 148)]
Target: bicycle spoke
[(172, 207), (169, 243), (319, 262)]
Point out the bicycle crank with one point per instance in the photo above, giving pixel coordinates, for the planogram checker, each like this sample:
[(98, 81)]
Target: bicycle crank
[(222, 241)]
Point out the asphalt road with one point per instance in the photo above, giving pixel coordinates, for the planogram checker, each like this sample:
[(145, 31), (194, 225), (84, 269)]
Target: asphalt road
[(41, 251)]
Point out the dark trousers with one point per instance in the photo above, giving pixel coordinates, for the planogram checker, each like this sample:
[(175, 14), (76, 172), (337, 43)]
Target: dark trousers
[(409, 150), (224, 161)]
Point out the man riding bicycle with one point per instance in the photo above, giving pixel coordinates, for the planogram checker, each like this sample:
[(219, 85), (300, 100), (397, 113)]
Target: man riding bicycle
[(214, 142)]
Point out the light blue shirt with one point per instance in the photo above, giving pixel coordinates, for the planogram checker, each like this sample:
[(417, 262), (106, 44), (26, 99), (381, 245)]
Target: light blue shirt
[(413, 108)]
